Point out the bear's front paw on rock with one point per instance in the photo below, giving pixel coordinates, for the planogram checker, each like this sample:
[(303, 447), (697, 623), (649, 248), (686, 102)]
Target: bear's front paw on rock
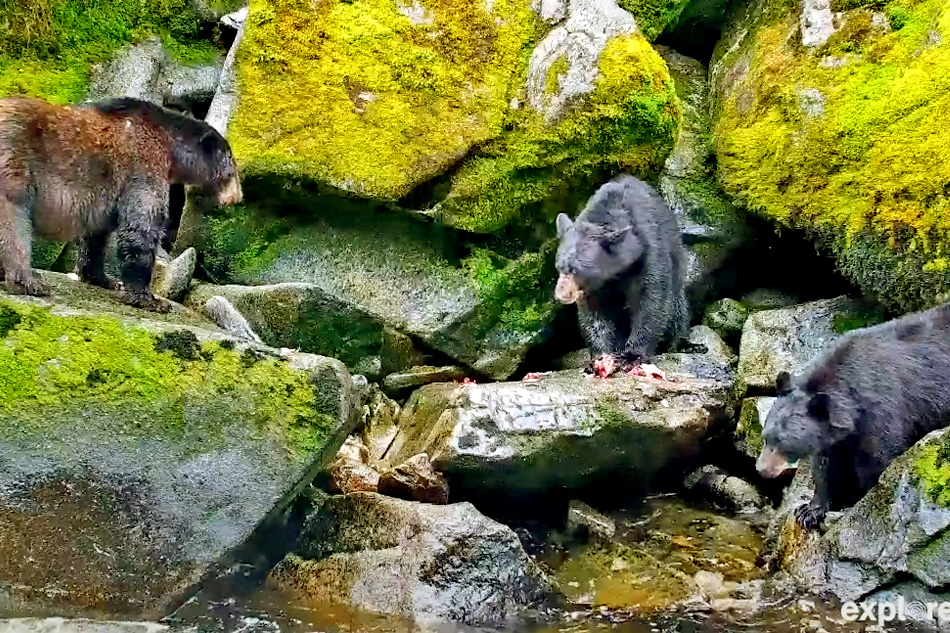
[(810, 515), (146, 301), (24, 283)]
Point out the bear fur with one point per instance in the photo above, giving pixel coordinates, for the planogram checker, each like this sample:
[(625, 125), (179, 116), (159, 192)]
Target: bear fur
[(861, 403), (623, 262), (80, 173)]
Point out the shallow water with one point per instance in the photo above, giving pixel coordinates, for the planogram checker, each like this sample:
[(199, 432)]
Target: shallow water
[(634, 584)]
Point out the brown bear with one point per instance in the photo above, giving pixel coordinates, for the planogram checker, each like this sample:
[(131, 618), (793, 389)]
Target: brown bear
[(80, 173)]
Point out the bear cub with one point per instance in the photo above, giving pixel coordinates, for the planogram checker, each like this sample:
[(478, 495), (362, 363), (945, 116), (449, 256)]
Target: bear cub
[(864, 401), (80, 173), (623, 262)]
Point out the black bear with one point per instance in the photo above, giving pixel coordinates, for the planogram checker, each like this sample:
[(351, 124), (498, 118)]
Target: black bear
[(861, 403), (622, 261), (80, 173)]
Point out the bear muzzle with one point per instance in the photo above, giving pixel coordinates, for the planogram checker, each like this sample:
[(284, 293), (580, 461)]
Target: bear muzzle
[(771, 463), (567, 290), (231, 193)]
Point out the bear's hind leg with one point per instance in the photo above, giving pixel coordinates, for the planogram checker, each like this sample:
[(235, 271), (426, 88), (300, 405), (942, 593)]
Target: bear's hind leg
[(16, 248), (92, 262)]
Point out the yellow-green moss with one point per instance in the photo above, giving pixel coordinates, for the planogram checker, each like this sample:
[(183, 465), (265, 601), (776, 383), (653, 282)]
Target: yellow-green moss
[(869, 172), (628, 124), (653, 16), (61, 369), (518, 295), (354, 94), (48, 46), (556, 73), (932, 469)]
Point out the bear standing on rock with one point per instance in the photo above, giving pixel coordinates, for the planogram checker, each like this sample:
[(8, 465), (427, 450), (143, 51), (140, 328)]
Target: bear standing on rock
[(859, 405), (80, 173), (623, 262)]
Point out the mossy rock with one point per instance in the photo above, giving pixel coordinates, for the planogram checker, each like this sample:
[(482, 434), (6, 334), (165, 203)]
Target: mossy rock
[(654, 16), (48, 47), (137, 449), (426, 104), (327, 275), (845, 140)]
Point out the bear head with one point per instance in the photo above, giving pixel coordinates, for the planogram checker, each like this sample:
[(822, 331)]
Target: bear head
[(805, 420), (591, 254)]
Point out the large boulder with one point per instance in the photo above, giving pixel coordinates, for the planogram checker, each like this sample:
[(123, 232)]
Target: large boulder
[(712, 226), (565, 429), (897, 532), (788, 339), (334, 287), (421, 561), (832, 118), (137, 449), (449, 103)]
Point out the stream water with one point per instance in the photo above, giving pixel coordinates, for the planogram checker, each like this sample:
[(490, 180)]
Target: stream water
[(638, 582)]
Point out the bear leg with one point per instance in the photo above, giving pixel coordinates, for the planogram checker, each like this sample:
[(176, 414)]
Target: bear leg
[(16, 248), (92, 262)]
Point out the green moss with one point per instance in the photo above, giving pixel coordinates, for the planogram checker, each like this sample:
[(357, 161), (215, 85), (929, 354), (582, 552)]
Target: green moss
[(857, 319), (870, 172), (628, 124), (556, 72), (514, 294), (48, 46), (932, 469), (58, 370), (653, 16), (396, 102)]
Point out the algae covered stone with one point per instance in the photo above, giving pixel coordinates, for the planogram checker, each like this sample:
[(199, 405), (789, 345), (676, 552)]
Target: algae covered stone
[(374, 96), (381, 98), (136, 449), (846, 137)]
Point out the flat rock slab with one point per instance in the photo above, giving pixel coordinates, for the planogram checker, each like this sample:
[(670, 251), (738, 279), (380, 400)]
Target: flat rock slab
[(565, 428), (137, 450)]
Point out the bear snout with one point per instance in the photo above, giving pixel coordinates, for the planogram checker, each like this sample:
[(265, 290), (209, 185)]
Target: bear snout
[(231, 193), (567, 290), (771, 462)]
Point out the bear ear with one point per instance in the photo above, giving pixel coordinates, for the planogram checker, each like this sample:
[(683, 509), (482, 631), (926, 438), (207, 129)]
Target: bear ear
[(209, 142), (783, 383), (818, 407), (564, 224)]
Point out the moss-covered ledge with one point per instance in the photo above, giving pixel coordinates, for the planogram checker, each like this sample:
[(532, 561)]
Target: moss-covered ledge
[(847, 139), (138, 449)]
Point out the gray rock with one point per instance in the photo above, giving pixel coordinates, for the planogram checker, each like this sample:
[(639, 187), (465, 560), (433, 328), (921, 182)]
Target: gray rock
[(817, 22), (897, 531), (399, 352), (371, 367), (226, 96), (564, 428), (715, 346), (583, 518), (579, 39), (64, 625), (748, 434), (413, 377), (578, 359), (334, 286), (734, 492), (421, 561), (726, 317), (133, 72), (711, 226), (189, 84), (767, 299), (226, 317), (915, 597), (378, 419), (811, 101), (139, 449), (171, 279), (788, 339)]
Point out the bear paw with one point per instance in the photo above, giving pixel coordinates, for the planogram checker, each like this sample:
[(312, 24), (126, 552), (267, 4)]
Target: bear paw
[(24, 283), (810, 515), (146, 301)]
